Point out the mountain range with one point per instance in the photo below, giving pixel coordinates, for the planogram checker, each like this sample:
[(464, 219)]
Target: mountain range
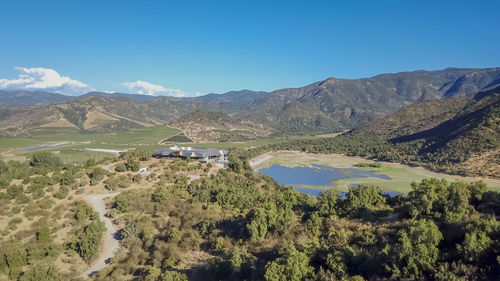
[(325, 106), (456, 135)]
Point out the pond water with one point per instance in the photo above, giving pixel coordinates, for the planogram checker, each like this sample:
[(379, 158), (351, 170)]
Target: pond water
[(46, 146), (317, 175)]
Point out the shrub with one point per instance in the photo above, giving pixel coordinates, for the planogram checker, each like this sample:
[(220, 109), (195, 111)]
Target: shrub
[(174, 235), (82, 211), (96, 175), (122, 202), (43, 236), (89, 239), (67, 178), (62, 192), (137, 178), (173, 276), (132, 165), (44, 159), (160, 195), (121, 168), (15, 190)]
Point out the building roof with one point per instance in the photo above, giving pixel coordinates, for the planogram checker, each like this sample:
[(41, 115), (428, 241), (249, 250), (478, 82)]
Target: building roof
[(190, 152)]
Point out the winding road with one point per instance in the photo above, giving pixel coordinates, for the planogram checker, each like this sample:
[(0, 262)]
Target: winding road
[(110, 240)]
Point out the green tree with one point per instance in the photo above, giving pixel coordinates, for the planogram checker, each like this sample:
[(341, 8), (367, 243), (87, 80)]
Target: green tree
[(152, 273), (132, 165), (44, 159), (242, 264), (174, 235), (362, 200), (170, 275), (89, 239), (336, 264), (314, 224), (121, 168), (82, 211), (439, 199), (96, 175), (292, 265), (479, 239), (258, 224), (219, 245), (416, 250), (111, 184), (122, 202), (327, 203), (457, 206), (424, 195)]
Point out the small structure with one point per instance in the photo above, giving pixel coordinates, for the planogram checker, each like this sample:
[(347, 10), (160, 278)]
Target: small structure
[(205, 155), (117, 152), (145, 171)]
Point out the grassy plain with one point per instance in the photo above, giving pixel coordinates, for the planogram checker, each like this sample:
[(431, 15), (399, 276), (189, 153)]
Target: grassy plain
[(401, 176)]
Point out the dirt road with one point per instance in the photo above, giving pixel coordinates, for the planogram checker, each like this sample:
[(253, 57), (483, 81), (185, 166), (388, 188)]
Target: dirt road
[(259, 160), (110, 241)]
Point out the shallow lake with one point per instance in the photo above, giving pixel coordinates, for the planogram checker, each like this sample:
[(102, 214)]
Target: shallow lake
[(317, 175)]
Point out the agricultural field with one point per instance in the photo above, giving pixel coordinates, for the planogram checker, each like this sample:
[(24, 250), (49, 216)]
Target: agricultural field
[(15, 147), (148, 135), (150, 139), (401, 176)]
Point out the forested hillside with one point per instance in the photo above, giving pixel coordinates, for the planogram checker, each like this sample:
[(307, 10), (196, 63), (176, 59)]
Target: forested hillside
[(457, 135)]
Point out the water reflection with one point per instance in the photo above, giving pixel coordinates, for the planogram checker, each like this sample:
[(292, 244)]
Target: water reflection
[(317, 175)]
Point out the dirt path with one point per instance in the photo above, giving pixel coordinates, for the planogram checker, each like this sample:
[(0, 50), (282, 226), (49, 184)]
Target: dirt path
[(260, 159), (110, 241)]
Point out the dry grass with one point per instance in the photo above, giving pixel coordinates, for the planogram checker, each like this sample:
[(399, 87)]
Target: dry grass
[(96, 118)]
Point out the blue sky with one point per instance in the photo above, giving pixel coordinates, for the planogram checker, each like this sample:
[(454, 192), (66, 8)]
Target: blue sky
[(191, 47)]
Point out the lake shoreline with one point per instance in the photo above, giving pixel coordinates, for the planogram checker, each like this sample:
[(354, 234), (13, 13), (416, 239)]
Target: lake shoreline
[(401, 176)]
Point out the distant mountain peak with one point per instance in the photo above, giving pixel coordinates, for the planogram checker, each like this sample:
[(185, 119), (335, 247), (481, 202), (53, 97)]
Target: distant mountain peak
[(323, 106)]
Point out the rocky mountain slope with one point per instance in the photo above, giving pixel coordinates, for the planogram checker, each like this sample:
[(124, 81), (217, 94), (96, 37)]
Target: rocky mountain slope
[(209, 126), (326, 106), (352, 102), (242, 96)]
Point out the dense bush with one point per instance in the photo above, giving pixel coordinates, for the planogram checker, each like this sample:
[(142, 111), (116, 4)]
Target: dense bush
[(238, 225), (89, 239), (44, 159)]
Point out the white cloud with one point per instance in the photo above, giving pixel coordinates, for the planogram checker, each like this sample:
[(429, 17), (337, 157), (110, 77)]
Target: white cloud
[(145, 88), (39, 78)]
